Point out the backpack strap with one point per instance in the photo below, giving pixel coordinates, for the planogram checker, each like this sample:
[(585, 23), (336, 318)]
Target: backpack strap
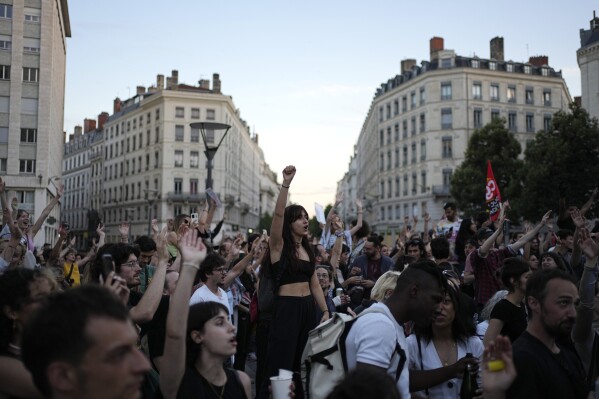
[(67, 278)]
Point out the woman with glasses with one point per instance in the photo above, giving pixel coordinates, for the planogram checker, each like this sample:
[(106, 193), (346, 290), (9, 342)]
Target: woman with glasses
[(438, 352), (291, 259), (325, 279), (508, 317)]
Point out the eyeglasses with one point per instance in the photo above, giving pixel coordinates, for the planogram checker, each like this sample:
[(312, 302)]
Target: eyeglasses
[(131, 264), (323, 275), (221, 270)]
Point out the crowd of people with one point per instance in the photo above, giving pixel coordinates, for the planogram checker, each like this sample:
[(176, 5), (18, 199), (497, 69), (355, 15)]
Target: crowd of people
[(177, 315)]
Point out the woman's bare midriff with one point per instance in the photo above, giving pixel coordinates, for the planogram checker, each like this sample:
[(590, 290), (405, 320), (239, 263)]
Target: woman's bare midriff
[(295, 289)]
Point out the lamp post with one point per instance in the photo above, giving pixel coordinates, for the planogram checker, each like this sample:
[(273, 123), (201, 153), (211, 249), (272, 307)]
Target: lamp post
[(150, 206), (209, 140)]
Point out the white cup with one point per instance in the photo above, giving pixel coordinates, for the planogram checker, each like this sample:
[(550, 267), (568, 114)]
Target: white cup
[(280, 387), (285, 373)]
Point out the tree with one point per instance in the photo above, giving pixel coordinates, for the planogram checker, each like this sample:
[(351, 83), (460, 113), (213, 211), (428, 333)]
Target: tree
[(495, 143), (561, 162), (265, 222)]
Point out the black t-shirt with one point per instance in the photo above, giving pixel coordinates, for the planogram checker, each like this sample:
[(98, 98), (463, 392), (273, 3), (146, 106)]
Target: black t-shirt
[(194, 386), (513, 317), (545, 375)]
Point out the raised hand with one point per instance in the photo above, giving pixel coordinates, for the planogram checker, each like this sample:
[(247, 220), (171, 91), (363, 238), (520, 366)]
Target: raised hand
[(546, 217), (192, 248), (288, 174), (495, 379), (117, 285), (124, 229), (339, 198), (100, 230), (2, 185), (161, 251), (155, 228), (577, 218), (588, 246), (358, 202), (426, 217)]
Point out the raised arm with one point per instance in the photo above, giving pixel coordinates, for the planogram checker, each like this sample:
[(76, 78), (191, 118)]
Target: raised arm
[(193, 252), (210, 214), (484, 249), (531, 234), (583, 330), (147, 305), (587, 205), (124, 232), (40, 221), (101, 235), (359, 222), (276, 228)]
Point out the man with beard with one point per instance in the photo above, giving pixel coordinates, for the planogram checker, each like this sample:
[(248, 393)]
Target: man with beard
[(213, 271), (377, 341), (545, 360), (372, 263)]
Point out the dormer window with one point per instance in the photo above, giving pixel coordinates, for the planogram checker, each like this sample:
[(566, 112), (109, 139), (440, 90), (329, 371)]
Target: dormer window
[(492, 65), (475, 63), (527, 69), (509, 67)]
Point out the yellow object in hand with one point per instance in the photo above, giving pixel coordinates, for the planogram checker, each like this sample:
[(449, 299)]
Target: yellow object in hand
[(496, 365)]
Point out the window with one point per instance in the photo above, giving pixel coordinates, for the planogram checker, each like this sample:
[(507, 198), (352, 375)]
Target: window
[(389, 190), (495, 114), (381, 137), (405, 184), (477, 91), (4, 72), (157, 134), (413, 130), (422, 150), (413, 99), (404, 104), (478, 118), (446, 91), (397, 186), (2, 165), (397, 212), (179, 112), (547, 122), (27, 165), (194, 159), (209, 136), (447, 147), (494, 92), (397, 157), (157, 113), (388, 107), (446, 63), (31, 45), (157, 159), (475, 63), (382, 162), (422, 123), (509, 67), (405, 155), (447, 173), (28, 135), (396, 107), (179, 132), (382, 189), (3, 135), (147, 161), (210, 114), (396, 132), (446, 118), (389, 135), (422, 96), (530, 122), (5, 11), (414, 183), (195, 135), (5, 44), (492, 65), (545, 71), (193, 186), (178, 185), (389, 160), (404, 127), (382, 213), (527, 69), (511, 121), (530, 99), (195, 113), (547, 97), (413, 152), (423, 182), (381, 114), (511, 94)]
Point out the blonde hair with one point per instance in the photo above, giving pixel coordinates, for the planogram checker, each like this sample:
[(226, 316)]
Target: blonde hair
[(387, 281)]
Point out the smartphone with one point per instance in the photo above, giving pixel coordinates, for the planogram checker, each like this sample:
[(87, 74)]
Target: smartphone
[(194, 217), (263, 232), (107, 265)]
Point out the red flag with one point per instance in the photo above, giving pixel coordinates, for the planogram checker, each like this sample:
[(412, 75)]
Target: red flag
[(493, 197)]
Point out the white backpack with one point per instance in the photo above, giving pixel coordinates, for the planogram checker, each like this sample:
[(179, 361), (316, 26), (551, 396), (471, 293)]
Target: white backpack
[(324, 360)]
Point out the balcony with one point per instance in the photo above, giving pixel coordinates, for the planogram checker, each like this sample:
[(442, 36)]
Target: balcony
[(175, 196)]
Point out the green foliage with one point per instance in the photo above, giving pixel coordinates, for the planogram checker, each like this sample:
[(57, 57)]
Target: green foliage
[(265, 222), (495, 143), (561, 163)]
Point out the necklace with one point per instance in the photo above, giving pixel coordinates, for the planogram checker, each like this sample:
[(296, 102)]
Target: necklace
[(298, 244), (448, 354), (222, 390)]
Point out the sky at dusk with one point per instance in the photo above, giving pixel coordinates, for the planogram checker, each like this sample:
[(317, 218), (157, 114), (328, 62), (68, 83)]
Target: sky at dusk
[(303, 74)]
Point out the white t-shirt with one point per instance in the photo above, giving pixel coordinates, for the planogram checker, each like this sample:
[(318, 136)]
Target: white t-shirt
[(431, 361), (203, 294), (372, 340)]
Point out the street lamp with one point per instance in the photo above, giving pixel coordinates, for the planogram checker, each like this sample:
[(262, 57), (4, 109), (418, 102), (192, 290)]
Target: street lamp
[(209, 140), (151, 205)]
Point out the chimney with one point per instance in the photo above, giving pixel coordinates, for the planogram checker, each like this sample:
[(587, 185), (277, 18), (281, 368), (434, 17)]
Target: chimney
[(78, 131), (140, 90), (204, 84), (497, 49), (436, 45), (406, 65), (71, 137), (539, 60), (168, 83), (88, 125), (160, 82), (117, 105), (594, 22), (102, 119), (175, 78), (216, 83)]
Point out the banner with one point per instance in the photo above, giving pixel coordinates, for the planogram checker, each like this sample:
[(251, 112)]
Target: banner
[(493, 197)]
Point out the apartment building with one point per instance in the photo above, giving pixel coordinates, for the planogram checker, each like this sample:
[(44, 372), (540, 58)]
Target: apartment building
[(588, 61), (419, 123), (32, 85)]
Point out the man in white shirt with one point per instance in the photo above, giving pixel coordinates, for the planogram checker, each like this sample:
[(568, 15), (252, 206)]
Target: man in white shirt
[(213, 271), (377, 341)]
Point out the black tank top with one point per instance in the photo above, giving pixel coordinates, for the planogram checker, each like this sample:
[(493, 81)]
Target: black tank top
[(304, 275), (194, 386)]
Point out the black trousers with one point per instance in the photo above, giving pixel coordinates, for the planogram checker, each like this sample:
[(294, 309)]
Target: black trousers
[(243, 339), (262, 331), (293, 319)]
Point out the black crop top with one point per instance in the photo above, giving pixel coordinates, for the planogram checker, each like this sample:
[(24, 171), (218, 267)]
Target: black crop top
[(304, 275)]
